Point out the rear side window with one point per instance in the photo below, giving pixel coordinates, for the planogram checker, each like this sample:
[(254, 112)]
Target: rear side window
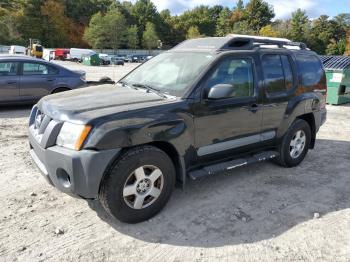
[(278, 73), (38, 69), (310, 69), (8, 68), (288, 73)]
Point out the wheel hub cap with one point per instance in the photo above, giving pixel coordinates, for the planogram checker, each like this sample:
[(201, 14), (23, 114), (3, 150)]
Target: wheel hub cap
[(143, 187), (297, 144)]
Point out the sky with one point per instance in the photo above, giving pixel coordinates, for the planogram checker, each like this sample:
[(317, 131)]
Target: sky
[(283, 8)]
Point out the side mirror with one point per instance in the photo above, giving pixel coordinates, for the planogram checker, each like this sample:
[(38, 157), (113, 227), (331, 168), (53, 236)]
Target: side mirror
[(221, 91)]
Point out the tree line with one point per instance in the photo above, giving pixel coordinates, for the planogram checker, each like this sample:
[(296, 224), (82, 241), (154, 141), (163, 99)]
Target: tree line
[(103, 24)]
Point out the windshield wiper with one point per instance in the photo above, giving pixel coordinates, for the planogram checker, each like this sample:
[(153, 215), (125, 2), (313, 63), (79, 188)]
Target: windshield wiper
[(150, 89), (123, 83)]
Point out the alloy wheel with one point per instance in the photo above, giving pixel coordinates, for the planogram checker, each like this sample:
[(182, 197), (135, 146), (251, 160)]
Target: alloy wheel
[(143, 187)]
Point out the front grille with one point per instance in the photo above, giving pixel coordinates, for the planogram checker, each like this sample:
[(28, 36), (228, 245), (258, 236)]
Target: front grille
[(41, 121), (43, 128)]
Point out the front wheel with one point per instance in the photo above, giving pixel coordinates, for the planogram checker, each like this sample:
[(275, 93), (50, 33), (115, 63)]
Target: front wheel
[(139, 185), (295, 144)]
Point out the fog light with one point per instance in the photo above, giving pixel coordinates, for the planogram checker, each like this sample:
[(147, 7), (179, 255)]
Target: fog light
[(63, 178)]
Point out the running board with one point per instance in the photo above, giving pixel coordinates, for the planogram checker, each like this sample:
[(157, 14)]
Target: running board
[(232, 164)]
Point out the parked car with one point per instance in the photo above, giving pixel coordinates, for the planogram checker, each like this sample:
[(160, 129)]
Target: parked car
[(105, 59), (117, 61), (135, 59), (128, 59), (76, 54), (206, 107), (121, 58), (25, 79)]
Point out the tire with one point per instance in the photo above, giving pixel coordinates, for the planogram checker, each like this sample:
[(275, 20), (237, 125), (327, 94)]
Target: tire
[(121, 189), (105, 80), (292, 154), (60, 90)]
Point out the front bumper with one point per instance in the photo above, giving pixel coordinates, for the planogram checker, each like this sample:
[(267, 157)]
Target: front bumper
[(77, 173)]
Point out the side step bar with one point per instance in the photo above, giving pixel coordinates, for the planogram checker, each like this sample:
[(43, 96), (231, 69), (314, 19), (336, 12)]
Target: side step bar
[(227, 166)]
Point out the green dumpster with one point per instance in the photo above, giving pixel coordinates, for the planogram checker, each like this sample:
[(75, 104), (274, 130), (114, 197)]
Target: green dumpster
[(91, 60), (338, 79)]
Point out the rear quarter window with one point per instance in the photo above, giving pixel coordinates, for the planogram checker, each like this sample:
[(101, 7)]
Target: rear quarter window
[(311, 70), (278, 74)]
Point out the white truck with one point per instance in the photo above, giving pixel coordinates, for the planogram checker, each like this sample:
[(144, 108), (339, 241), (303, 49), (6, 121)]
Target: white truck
[(76, 54), (17, 50)]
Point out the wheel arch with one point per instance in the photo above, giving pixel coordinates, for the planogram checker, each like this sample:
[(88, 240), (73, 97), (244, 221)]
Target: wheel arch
[(175, 157), (310, 119), (57, 89), (167, 148)]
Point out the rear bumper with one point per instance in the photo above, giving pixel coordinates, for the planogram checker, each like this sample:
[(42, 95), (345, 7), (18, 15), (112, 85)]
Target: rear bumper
[(77, 173)]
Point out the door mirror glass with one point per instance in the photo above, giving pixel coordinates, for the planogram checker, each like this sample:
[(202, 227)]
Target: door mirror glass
[(221, 91)]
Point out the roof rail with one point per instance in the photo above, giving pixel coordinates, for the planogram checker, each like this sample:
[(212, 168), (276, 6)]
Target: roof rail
[(249, 42), (236, 42)]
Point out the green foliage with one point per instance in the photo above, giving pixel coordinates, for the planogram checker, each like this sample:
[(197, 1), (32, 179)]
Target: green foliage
[(193, 32), (8, 30), (204, 17), (144, 11), (106, 31), (268, 31), (150, 37), (282, 27), (240, 5), (336, 48), (94, 33), (166, 30), (132, 37), (81, 11), (115, 28), (223, 25), (258, 14), (299, 26)]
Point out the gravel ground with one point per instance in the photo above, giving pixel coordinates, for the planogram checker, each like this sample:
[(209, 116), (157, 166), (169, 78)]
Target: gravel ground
[(258, 213), (94, 73)]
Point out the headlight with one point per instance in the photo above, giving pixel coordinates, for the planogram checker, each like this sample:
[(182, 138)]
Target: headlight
[(83, 77), (72, 135)]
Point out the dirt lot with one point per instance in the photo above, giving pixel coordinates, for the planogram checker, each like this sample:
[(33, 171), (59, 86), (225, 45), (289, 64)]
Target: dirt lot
[(94, 73), (257, 213)]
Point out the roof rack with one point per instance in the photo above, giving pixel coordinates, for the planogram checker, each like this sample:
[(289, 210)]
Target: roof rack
[(249, 42), (237, 42)]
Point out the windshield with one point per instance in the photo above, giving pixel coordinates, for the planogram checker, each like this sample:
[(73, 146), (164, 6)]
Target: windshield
[(170, 73)]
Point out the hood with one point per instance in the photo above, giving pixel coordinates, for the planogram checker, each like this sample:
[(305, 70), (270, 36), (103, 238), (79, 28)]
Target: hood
[(85, 104)]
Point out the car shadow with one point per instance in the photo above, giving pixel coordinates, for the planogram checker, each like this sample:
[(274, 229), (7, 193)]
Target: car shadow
[(17, 111), (250, 204)]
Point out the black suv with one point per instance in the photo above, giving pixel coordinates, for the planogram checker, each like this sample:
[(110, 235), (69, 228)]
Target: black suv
[(205, 107)]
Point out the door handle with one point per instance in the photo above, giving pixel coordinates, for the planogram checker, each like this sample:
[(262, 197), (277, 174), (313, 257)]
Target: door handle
[(11, 82), (253, 108), (51, 79)]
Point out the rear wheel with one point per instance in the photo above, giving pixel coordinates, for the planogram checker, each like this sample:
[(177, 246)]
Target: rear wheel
[(139, 185), (295, 144), (60, 90)]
